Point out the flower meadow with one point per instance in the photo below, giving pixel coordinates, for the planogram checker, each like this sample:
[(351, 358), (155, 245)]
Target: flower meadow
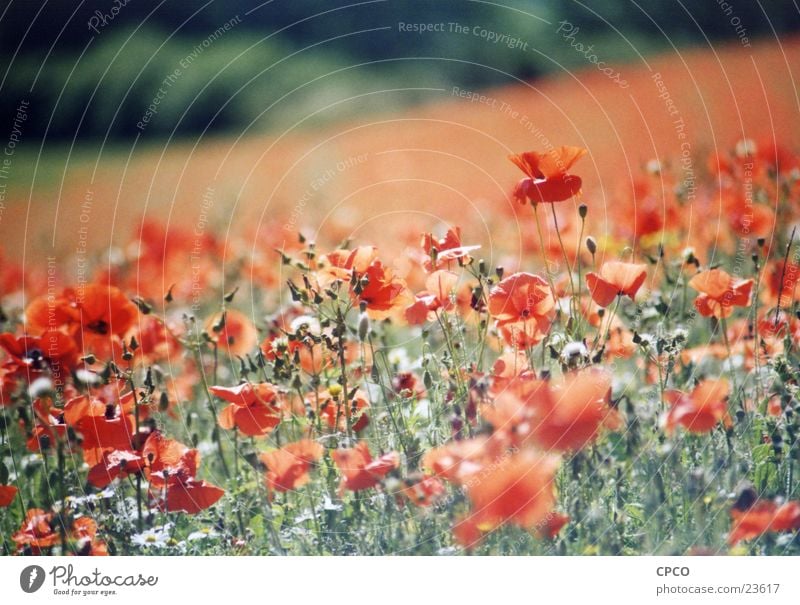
[(622, 387)]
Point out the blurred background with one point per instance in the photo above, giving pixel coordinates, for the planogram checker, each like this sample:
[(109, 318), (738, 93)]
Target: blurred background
[(92, 82), (371, 119)]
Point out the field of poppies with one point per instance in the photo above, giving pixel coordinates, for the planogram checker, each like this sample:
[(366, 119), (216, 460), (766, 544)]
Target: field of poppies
[(557, 317), (618, 388)]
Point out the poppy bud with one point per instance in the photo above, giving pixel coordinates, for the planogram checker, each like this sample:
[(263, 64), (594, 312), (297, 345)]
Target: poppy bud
[(482, 268), (583, 210), (499, 272), (456, 423), (591, 245), (363, 327), (746, 498), (220, 324), (229, 296), (144, 307), (163, 401)]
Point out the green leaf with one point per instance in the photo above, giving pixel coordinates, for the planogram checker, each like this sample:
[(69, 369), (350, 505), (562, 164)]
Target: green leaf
[(257, 526)]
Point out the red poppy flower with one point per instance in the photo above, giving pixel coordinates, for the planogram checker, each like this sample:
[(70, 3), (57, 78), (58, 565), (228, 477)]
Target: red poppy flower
[(96, 317), (380, 290), (53, 350), (440, 286), (780, 283), (563, 416), (49, 426), (444, 251), (330, 407), (615, 279), (288, 467), (359, 470), (701, 410), (523, 306), (237, 335), (421, 490), (102, 433), (254, 408), (762, 517), (161, 453), (83, 406), (719, 293), (547, 175), (37, 532), (755, 220), (510, 367), (172, 467), (157, 342), (7, 495), (84, 532), (460, 461), (551, 525), (519, 490), (114, 463), (191, 496)]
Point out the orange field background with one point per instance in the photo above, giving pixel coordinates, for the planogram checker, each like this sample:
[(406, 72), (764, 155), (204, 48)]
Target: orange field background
[(390, 175)]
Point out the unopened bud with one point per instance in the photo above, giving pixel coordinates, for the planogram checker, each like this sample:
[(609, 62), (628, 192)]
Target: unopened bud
[(363, 327), (591, 245), (583, 210)]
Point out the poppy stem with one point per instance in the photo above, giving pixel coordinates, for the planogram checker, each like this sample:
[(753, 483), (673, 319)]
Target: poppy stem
[(723, 324), (317, 525), (341, 331), (544, 252), (563, 250), (62, 529), (579, 316), (215, 432), (135, 445)]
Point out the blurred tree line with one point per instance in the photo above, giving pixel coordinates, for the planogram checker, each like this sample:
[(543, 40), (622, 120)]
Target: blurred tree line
[(95, 69)]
